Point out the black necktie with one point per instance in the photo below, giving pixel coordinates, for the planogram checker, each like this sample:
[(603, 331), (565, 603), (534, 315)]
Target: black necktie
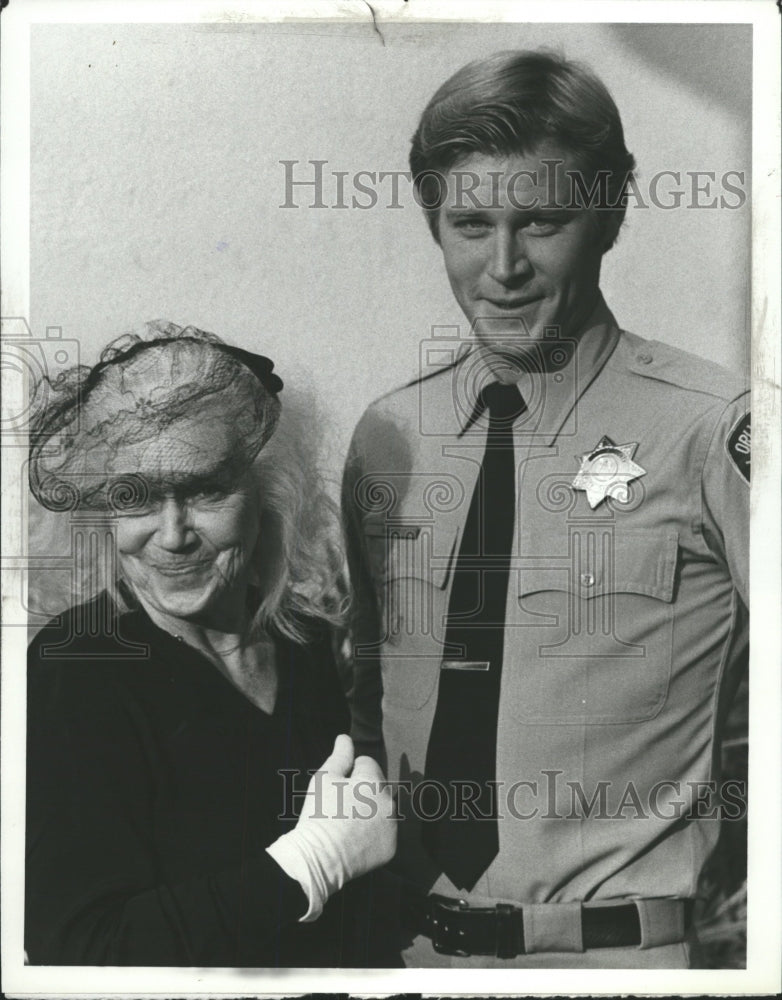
[(462, 752)]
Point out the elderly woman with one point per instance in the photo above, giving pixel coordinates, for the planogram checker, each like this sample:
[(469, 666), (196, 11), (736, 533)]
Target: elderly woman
[(175, 720)]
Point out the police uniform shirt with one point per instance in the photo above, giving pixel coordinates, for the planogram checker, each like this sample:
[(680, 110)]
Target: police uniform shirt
[(626, 618)]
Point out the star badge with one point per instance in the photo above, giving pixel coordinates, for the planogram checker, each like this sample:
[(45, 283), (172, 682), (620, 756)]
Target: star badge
[(606, 470)]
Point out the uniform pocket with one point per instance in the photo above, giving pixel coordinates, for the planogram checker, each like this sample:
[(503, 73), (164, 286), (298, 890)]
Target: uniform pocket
[(413, 569), (597, 627)]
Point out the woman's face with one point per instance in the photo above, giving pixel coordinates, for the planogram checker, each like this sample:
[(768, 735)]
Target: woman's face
[(188, 551)]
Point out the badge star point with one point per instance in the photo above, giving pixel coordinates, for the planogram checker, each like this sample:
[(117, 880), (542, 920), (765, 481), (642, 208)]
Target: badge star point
[(606, 471)]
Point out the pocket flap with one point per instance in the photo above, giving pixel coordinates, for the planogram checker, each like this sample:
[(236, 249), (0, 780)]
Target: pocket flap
[(603, 562), (418, 551)]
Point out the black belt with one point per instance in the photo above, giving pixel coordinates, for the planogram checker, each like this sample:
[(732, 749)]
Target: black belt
[(456, 928)]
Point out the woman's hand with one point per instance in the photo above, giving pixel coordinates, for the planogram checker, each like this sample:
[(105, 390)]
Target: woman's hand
[(346, 827)]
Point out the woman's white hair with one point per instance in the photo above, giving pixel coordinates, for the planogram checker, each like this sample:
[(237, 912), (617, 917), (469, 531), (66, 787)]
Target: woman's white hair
[(299, 554)]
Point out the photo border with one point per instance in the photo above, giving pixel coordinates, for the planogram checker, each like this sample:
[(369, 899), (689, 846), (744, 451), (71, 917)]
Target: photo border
[(764, 935)]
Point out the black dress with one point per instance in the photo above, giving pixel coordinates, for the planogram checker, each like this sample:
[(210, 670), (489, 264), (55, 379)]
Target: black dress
[(153, 787)]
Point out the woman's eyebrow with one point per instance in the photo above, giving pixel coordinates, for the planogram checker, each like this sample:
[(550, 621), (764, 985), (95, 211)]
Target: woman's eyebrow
[(206, 483)]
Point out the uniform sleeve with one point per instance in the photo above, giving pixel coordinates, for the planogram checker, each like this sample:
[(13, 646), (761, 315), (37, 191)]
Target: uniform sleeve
[(725, 491), (93, 893), (366, 688)]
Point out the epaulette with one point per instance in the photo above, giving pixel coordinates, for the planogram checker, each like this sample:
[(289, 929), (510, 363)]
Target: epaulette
[(657, 360)]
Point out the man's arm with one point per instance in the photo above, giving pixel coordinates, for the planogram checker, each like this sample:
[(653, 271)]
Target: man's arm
[(725, 492), (366, 690)]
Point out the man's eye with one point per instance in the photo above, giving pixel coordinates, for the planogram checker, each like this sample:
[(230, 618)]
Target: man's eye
[(544, 227), (472, 227), (547, 225)]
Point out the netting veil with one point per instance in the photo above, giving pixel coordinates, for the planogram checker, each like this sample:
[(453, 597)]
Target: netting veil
[(167, 408)]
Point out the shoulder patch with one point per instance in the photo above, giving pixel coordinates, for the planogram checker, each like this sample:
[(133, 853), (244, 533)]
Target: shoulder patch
[(738, 446)]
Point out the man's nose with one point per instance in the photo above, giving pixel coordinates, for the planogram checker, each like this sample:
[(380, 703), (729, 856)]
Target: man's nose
[(174, 529), (508, 260)]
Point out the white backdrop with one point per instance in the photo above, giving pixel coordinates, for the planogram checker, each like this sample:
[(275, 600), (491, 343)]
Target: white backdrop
[(156, 188)]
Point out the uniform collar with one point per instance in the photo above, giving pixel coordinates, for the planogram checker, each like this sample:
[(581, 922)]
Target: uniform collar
[(551, 396)]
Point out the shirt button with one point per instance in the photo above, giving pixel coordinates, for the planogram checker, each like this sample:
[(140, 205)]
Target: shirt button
[(645, 358), (587, 579)]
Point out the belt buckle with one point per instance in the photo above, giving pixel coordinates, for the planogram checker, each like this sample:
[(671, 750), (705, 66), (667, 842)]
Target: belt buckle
[(446, 932)]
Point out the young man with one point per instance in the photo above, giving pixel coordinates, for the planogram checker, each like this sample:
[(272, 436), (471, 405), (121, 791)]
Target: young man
[(548, 541)]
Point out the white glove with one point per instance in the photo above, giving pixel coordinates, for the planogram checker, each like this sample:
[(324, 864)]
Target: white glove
[(346, 827)]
